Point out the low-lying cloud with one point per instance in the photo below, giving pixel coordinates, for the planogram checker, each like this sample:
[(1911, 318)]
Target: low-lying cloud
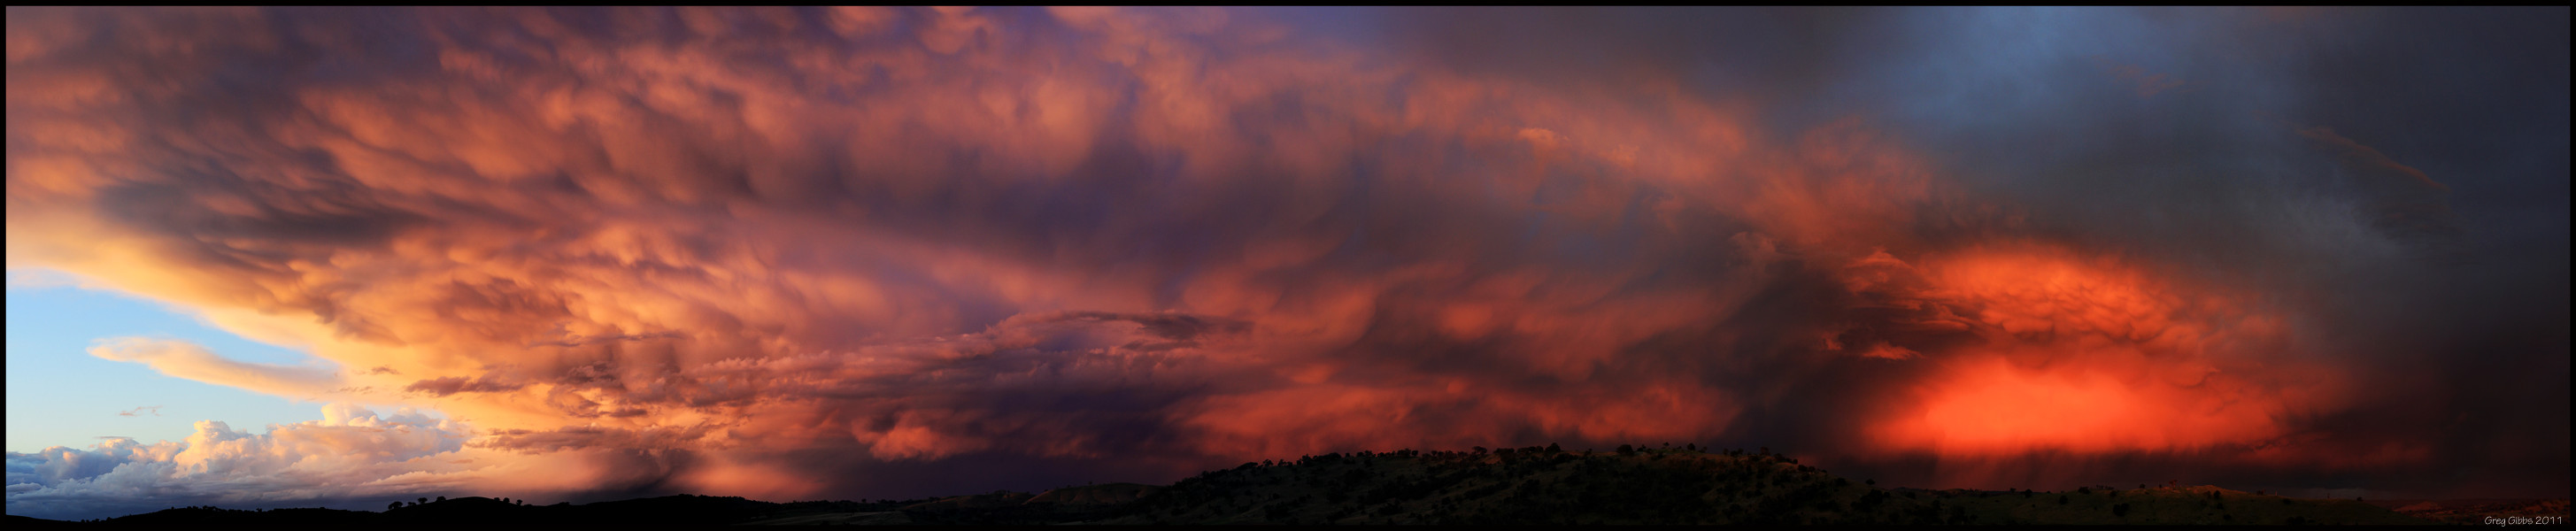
[(352, 455)]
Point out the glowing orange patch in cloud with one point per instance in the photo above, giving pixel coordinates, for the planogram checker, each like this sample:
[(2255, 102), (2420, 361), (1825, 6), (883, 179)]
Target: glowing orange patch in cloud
[(2091, 355), (1991, 406), (1128, 234)]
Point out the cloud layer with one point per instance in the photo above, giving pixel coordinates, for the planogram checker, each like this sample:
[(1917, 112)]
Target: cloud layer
[(814, 252), (352, 455), (183, 359)]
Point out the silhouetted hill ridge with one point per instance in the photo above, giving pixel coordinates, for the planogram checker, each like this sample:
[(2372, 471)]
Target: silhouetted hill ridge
[(1508, 486)]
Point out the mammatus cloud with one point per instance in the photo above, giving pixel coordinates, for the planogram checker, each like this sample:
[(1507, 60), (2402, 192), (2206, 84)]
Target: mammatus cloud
[(458, 384), (790, 252)]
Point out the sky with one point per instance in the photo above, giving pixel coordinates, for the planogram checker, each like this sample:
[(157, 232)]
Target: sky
[(49, 407), (298, 257)]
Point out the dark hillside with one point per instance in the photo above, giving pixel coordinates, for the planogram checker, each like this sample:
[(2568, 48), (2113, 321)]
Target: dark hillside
[(1531, 485)]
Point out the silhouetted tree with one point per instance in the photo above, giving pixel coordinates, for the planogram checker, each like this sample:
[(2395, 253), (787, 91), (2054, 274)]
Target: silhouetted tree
[(1627, 450), (397, 505), (423, 500), (1551, 448)]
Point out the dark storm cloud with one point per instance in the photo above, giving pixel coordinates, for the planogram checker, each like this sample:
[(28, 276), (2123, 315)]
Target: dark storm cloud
[(2396, 174), (806, 252), (457, 384), (2213, 141)]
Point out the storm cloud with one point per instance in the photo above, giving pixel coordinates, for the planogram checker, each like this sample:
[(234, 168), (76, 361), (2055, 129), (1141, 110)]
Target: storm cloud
[(803, 253)]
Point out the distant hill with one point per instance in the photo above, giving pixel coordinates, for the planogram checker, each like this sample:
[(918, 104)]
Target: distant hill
[(680, 510), (1672, 486), (2476, 512), (1531, 486), (2201, 505), (1110, 494), (1509, 486)]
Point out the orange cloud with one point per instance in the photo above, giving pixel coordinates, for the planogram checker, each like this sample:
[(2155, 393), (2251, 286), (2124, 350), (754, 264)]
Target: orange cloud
[(2092, 356), (880, 239), (183, 359), (681, 244)]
